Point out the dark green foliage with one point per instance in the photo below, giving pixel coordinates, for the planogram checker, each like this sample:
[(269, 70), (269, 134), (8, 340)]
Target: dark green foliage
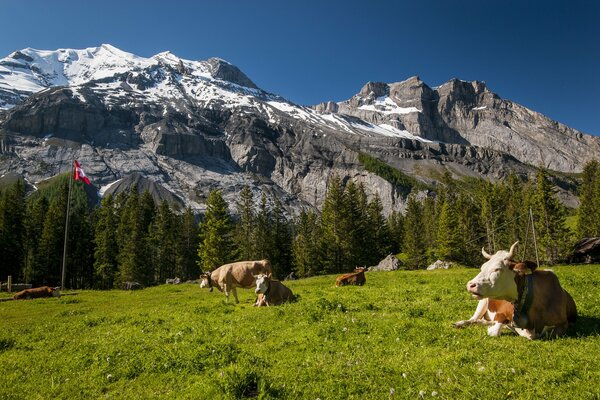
[(162, 240), (399, 179), (107, 249), (307, 244), (245, 226), (414, 234), (12, 231), (187, 245), (588, 221), (216, 231)]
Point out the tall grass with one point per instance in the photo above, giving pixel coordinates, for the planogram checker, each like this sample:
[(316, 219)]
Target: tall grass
[(391, 338)]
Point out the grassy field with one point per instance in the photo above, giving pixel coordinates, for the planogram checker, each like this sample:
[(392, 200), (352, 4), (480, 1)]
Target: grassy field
[(392, 338)]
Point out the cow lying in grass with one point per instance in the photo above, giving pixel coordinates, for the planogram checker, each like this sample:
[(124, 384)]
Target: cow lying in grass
[(239, 274), (271, 292), (44, 291), (541, 306), (495, 313), (353, 278)]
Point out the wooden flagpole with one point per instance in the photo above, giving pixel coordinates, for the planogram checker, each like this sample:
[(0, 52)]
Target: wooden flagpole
[(64, 260)]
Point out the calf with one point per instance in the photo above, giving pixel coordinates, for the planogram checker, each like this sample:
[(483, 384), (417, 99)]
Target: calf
[(271, 292), (354, 278), (541, 306), (496, 313), (44, 291), (239, 274)]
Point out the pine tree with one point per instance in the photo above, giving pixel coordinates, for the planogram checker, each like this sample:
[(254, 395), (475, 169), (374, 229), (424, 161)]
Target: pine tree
[(244, 229), (377, 233), (448, 240), (358, 244), (395, 225), (281, 248), (48, 266), (216, 244), (333, 222), (549, 215), (12, 230), (588, 215), (187, 245), (34, 225), (105, 255), (414, 234), (306, 246), (262, 237), (80, 247), (162, 238)]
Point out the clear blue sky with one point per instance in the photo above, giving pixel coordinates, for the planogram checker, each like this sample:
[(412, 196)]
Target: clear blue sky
[(542, 54)]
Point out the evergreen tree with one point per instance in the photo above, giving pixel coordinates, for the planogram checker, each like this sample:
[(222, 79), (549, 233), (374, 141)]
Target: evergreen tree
[(262, 238), (34, 225), (333, 221), (48, 266), (216, 244), (105, 255), (281, 249), (588, 215), (414, 234), (307, 246), (549, 216), (162, 238), (80, 247), (358, 245), (377, 233), (244, 229), (430, 213), (395, 225), (448, 240), (187, 245), (12, 230)]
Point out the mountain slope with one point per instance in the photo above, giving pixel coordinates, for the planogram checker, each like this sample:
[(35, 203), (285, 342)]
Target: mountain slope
[(192, 126)]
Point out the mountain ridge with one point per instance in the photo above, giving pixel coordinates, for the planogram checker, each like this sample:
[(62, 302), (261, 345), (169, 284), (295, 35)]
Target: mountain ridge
[(192, 126)]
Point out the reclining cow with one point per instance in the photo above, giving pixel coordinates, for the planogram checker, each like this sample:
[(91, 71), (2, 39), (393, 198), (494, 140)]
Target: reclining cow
[(239, 274), (271, 292), (44, 291), (541, 306), (495, 313), (353, 278)]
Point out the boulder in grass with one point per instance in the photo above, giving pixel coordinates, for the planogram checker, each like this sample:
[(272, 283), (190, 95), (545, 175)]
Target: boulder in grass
[(390, 263), (439, 264)]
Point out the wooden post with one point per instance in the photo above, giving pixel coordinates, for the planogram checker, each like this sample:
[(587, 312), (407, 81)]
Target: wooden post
[(9, 284)]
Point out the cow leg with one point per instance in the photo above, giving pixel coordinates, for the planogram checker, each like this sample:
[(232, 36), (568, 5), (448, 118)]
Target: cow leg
[(226, 291), (495, 329), (477, 317), (235, 295)]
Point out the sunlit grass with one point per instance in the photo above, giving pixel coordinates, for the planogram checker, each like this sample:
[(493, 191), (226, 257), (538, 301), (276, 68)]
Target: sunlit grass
[(391, 338)]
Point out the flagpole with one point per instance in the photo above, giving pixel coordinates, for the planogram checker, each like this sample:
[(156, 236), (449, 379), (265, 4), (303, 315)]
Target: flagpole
[(64, 260)]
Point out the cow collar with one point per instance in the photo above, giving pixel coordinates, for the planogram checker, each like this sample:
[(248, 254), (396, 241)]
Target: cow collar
[(524, 299)]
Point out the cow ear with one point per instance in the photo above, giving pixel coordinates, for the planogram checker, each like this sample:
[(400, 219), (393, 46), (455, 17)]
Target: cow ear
[(510, 264)]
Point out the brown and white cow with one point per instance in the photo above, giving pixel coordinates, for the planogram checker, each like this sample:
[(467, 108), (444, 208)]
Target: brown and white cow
[(271, 292), (541, 306), (238, 274), (495, 313), (353, 278), (44, 291)]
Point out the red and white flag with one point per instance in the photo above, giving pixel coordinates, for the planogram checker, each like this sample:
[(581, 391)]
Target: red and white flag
[(78, 174)]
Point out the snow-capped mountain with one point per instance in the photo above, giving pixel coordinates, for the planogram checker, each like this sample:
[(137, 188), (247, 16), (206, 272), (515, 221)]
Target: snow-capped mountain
[(190, 126)]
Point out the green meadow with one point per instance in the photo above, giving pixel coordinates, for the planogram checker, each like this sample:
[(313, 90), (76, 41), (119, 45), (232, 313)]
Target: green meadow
[(390, 339)]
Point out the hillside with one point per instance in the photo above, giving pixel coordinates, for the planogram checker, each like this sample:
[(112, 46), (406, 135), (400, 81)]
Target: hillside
[(391, 338)]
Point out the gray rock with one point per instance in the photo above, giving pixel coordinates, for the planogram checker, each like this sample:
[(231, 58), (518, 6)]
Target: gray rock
[(390, 263), (439, 264)]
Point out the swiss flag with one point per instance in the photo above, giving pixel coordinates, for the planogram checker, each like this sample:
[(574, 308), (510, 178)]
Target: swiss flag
[(78, 174)]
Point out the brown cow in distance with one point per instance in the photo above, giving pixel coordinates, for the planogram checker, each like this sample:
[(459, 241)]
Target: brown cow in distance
[(354, 278), (44, 291)]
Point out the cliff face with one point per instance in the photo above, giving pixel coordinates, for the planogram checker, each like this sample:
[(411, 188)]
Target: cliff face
[(188, 127)]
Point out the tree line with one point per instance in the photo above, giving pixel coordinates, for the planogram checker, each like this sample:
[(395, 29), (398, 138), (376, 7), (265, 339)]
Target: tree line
[(130, 238)]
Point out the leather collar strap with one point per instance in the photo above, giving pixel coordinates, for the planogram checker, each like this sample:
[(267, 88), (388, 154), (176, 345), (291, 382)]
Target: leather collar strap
[(524, 299)]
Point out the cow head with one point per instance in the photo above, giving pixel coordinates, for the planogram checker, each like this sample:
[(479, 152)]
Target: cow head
[(262, 283), (55, 291), (360, 269), (205, 281), (496, 279)]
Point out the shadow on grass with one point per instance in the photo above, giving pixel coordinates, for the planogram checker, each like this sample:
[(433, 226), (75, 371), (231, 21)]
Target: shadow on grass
[(584, 326)]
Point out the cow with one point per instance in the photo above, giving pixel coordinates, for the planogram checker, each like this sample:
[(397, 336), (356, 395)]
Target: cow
[(271, 292), (44, 291), (495, 313), (238, 274), (541, 306), (353, 278)]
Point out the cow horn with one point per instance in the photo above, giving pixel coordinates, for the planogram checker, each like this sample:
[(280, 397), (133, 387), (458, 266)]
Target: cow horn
[(511, 252), (485, 254)]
